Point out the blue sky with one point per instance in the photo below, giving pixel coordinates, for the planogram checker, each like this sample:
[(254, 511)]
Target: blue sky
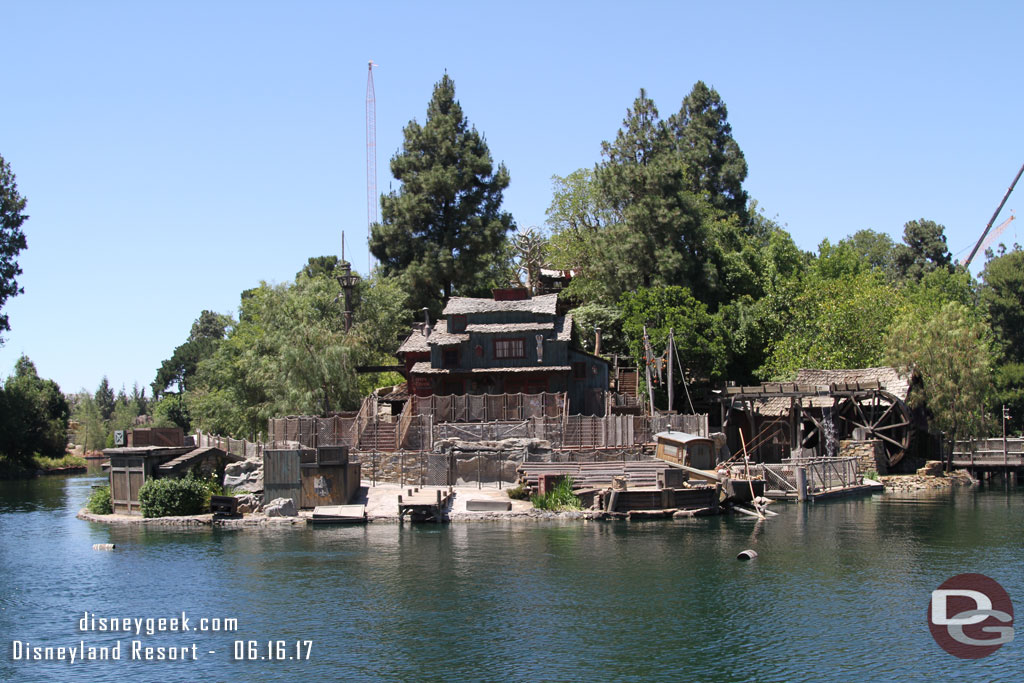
[(175, 154)]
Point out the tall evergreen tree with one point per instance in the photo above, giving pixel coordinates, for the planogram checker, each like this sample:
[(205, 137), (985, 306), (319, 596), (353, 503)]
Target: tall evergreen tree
[(657, 236), (924, 250), (105, 398), (12, 239), (714, 164), (443, 231)]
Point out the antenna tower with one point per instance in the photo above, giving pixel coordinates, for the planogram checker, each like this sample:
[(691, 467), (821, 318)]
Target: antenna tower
[(371, 161)]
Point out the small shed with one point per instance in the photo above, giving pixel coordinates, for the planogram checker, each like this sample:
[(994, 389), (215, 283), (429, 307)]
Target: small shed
[(131, 467), (686, 449), (309, 477)]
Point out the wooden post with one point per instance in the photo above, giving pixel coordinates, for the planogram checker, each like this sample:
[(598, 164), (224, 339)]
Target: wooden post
[(801, 483), (671, 366)]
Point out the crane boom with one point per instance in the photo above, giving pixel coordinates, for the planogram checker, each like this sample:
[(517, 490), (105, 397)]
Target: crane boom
[(992, 220)]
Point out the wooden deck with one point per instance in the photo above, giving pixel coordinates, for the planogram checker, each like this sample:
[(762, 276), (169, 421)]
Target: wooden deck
[(424, 504), (339, 514)]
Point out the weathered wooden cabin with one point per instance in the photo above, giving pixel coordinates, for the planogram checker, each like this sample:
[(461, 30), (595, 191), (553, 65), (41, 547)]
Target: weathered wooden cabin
[(510, 344), (310, 476), (134, 465)]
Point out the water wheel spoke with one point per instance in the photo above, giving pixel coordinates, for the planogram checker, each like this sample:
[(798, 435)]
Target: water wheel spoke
[(883, 437), (895, 425), (886, 413)]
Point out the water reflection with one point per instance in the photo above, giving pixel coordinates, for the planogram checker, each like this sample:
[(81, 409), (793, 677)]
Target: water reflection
[(837, 592)]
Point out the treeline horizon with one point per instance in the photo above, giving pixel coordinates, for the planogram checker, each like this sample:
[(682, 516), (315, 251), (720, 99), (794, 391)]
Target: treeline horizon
[(660, 233)]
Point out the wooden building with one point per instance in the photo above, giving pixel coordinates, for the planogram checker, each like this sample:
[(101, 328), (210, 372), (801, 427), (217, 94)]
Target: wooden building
[(131, 467), (509, 344), (819, 408)]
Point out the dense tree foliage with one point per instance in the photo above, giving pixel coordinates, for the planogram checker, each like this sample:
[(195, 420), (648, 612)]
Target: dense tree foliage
[(33, 415), (12, 239), (442, 232), (289, 354), (207, 332)]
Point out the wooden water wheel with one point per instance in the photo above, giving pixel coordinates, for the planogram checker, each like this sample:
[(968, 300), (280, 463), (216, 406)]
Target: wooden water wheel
[(883, 417)]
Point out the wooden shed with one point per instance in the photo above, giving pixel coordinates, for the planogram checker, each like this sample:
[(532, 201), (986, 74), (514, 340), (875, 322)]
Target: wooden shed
[(131, 467), (686, 449), (309, 477)]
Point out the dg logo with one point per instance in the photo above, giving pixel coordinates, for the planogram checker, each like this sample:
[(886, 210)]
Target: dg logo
[(970, 616)]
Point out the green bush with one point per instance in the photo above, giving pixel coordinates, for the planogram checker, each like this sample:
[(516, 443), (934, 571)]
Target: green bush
[(99, 502), (174, 497), (45, 463), (519, 492), (559, 498)]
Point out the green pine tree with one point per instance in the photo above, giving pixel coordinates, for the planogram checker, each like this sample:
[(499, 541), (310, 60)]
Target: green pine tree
[(443, 232)]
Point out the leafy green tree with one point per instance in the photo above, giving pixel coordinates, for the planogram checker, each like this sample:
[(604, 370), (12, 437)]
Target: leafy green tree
[(12, 239), (320, 265), (951, 349), (714, 165), (1002, 299), (834, 323), (577, 217), (875, 248), (609, 319), (1002, 296), (33, 415), (207, 332), (289, 354), (924, 250), (442, 233), (702, 352)]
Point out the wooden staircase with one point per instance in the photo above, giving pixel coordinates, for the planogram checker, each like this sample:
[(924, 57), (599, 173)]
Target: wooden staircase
[(379, 436)]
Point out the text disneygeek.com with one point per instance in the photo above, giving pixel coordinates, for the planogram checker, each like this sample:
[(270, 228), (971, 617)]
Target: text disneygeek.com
[(138, 650)]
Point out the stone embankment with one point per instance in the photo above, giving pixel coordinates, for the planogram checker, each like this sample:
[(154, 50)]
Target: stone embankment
[(929, 477)]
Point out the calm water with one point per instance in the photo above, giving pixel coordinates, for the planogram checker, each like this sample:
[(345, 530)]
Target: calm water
[(839, 592)]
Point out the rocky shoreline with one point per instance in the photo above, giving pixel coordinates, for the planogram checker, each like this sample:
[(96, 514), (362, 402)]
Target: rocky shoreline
[(926, 482)]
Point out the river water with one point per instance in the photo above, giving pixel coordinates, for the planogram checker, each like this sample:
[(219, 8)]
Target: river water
[(839, 592)]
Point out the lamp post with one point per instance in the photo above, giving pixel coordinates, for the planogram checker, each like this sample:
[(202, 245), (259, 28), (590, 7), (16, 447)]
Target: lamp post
[(348, 283)]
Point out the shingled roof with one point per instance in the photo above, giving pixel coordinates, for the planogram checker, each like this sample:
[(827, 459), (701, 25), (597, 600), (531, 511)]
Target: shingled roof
[(462, 305), (896, 381)]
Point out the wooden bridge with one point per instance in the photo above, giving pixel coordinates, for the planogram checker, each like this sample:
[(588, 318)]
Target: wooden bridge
[(989, 455)]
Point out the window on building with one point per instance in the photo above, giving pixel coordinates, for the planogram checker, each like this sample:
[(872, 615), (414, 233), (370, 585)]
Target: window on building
[(579, 370), (451, 358), (458, 323), (509, 348)]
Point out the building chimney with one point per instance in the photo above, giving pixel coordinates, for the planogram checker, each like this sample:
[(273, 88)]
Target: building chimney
[(426, 326), (597, 341)]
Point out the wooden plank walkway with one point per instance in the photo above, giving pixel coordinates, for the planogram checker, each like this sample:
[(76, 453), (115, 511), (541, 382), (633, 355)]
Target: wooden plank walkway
[(425, 504), (988, 460)]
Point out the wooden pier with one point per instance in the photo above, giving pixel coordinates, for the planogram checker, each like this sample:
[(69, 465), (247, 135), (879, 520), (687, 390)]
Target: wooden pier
[(987, 457), (423, 505)]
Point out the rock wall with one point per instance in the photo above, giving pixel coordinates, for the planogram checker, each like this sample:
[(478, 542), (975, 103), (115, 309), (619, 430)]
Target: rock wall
[(870, 455)]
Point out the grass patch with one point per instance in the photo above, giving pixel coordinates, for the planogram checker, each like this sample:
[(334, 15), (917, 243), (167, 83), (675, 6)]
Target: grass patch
[(44, 463), (100, 502), (519, 492), (559, 498)]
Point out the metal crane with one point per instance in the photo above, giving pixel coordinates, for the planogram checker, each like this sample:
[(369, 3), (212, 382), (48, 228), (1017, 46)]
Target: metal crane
[(966, 262)]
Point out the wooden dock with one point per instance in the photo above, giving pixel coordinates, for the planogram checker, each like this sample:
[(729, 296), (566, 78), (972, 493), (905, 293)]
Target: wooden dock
[(424, 505), (339, 514)]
